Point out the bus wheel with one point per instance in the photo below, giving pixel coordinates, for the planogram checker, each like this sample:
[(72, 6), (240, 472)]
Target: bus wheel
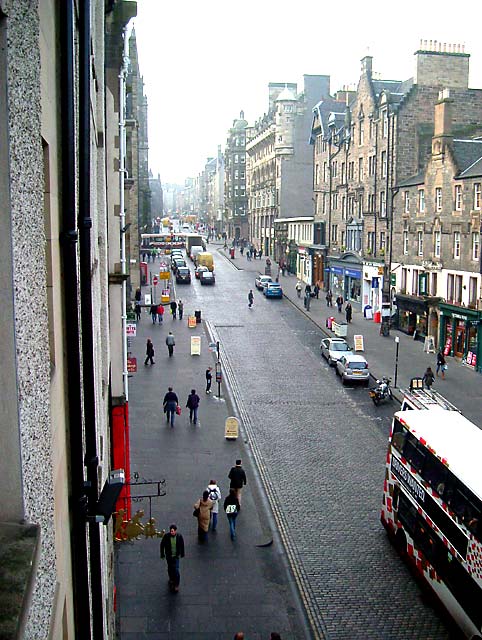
[(401, 543)]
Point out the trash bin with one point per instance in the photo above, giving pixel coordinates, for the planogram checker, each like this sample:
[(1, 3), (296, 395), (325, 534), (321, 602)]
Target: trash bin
[(197, 315), (341, 329), (231, 252), (329, 322), (377, 316)]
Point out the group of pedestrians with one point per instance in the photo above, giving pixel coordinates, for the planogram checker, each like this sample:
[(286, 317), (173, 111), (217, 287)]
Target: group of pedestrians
[(157, 311), (205, 510), (429, 376), (150, 351)]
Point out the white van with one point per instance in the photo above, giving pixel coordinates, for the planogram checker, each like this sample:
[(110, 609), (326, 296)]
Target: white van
[(195, 251)]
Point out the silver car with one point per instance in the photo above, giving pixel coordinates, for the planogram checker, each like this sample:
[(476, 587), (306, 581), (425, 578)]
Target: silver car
[(261, 281), (333, 348), (353, 368)]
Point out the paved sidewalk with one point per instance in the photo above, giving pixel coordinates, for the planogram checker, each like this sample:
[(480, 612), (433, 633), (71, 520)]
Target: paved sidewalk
[(225, 586), (462, 385)]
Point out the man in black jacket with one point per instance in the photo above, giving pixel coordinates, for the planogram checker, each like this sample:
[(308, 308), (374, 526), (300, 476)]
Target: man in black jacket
[(172, 548), (238, 479)]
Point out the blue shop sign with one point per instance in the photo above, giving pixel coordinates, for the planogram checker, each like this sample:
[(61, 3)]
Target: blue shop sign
[(337, 270), (375, 282), (352, 273)]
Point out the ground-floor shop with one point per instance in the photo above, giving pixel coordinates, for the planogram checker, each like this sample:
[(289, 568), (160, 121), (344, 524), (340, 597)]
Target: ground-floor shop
[(461, 334), (304, 265), (417, 316), (343, 277)]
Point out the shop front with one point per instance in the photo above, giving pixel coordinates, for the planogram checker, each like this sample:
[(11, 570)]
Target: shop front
[(461, 334), (304, 265), (344, 276), (412, 315)]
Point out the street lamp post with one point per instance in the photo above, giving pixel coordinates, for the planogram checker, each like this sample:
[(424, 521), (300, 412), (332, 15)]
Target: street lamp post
[(397, 342)]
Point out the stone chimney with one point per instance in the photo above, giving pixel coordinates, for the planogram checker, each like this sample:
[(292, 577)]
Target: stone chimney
[(442, 134), (442, 65), (366, 65)]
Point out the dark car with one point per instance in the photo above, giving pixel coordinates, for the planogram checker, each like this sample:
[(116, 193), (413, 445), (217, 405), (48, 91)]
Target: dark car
[(176, 263), (207, 277), (183, 275)]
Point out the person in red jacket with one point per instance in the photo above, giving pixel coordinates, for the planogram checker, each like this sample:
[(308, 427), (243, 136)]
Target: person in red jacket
[(160, 313)]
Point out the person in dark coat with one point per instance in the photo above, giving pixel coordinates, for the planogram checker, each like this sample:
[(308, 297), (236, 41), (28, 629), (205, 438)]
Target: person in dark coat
[(149, 352), (232, 508), (153, 312), (237, 477), (440, 364), (428, 378), (170, 403), (209, 379), (173, 309), (172, 549), (329, 298), (193, 404), (137, 309), (339, 303), (180, 308), (348, 311)]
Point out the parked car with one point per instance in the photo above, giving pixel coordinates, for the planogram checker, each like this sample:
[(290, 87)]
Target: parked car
[(333, 348), (200, 269), (261, 281), (273, 290), (183, 275), (177, 253), (353, 368), (207, 277)]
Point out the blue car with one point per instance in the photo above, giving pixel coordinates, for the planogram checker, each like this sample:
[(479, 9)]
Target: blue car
[(273, 290)]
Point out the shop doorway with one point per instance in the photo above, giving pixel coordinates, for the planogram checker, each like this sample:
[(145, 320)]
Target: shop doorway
[(459, 344)]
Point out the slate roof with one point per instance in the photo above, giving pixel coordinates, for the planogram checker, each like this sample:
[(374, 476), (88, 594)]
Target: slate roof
[(413, 180), (468, 156), (324, 109)]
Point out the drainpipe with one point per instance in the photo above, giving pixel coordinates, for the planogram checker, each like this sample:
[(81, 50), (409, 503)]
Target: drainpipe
[(68, 243), (122, 216), (91, 460)]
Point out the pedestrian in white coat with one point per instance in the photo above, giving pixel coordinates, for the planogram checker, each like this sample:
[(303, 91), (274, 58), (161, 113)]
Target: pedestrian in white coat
[(215, 496)]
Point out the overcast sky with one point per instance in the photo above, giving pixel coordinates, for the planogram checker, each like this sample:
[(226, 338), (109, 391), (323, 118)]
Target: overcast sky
[(204, 62)]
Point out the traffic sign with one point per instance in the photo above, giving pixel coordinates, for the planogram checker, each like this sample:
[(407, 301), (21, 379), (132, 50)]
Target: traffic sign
[(155, 281)]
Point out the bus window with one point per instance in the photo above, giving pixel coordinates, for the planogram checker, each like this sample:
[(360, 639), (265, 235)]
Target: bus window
[(399, 435), (413, 453), (434, 473)]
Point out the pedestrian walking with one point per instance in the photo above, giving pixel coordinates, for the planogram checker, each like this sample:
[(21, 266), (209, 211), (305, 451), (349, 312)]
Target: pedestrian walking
[(149, 352), (238, 479), (348, 311), (160, 313), (203, 508), (241, 251), (339, 303), (316, 290), (172, 549), (192, 404), (215, 497), (260, 254), (209, 379), (138, 295), (307, 300), (180, 309), (441, 364), (173, 309), (153, 312), (170, 404), (428, 378), (250, 298), (137, 309), (298, 288), (231, 509), (171, 343), (329, 298)]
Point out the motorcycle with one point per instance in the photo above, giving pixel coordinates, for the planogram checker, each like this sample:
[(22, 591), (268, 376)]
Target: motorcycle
[(381, 392)]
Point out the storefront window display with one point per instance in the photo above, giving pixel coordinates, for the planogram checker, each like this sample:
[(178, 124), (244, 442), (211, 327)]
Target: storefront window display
[(472, 346)]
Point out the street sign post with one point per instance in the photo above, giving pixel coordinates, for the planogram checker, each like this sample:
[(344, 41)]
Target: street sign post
[(155, 281)]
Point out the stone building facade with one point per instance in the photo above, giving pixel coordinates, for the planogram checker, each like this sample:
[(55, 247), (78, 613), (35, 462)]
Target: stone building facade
[(235, 195), (437, 244), (59, 191), (382, 137), (279, 161)]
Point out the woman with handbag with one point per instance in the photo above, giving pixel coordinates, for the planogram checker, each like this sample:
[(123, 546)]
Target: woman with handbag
[(202, 510)]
